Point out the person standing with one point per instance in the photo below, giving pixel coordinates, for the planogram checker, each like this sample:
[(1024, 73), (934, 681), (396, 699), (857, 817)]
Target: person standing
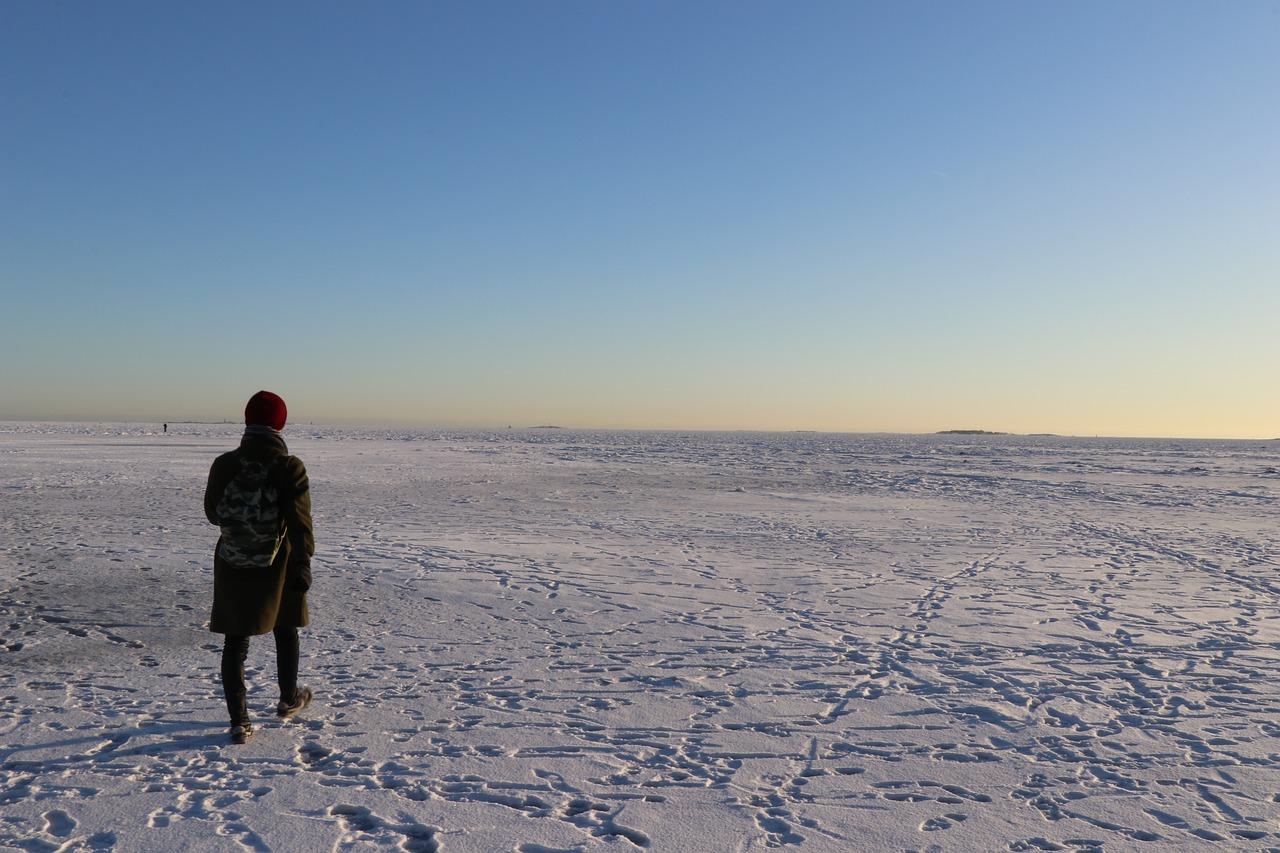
[(260, 498)]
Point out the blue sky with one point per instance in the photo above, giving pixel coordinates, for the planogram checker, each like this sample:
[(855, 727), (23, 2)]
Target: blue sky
[(1031, 217)]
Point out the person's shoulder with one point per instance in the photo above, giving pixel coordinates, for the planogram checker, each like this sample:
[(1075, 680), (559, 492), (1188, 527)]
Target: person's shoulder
[(226, 458)]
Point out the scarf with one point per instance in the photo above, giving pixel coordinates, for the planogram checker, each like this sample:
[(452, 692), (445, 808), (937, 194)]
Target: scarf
[(262, 434)]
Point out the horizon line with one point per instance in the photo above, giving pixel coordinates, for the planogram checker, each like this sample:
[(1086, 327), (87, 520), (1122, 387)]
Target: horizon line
[(960, 433)]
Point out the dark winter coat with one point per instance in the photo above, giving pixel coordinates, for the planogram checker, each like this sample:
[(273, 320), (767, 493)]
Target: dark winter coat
[(249, 601)]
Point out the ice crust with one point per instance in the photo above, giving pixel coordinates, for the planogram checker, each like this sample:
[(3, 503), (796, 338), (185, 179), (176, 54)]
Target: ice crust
[(548, 641)]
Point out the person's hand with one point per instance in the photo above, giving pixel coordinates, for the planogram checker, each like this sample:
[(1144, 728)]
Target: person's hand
[(298, 576)]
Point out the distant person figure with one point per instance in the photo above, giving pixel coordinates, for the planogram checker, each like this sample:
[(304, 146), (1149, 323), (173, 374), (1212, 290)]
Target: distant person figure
[(166, 429), (260, 497)]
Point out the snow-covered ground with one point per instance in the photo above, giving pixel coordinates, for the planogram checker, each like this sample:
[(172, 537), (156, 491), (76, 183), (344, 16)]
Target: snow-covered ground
[(548, 641)]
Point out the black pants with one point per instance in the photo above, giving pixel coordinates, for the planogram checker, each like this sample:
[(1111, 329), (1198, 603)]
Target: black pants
[(234, 652)]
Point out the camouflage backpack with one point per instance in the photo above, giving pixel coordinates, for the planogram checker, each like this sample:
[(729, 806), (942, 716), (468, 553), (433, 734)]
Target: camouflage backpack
[(249, 515)]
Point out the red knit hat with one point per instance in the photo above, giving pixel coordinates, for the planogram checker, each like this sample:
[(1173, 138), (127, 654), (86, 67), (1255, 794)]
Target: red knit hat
[(265, 409)]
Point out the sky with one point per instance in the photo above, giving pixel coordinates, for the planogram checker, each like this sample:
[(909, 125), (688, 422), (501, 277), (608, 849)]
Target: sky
[(848, 216)]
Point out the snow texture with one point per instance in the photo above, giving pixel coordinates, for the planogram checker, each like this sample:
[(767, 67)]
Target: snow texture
[(552, 641)]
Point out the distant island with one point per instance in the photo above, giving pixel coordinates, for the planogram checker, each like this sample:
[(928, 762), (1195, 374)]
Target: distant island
[(970, 432)]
